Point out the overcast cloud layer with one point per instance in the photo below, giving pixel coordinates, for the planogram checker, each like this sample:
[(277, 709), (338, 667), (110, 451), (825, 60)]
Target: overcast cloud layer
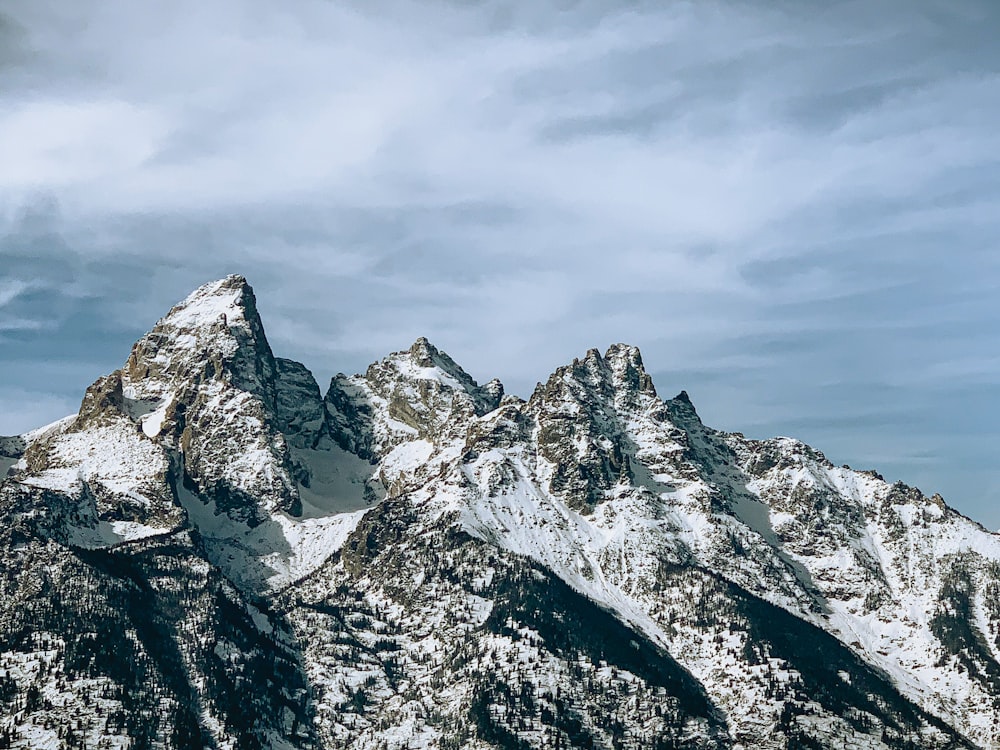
[(791, 207)]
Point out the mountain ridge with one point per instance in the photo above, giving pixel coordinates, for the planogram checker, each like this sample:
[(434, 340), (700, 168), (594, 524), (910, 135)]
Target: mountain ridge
[(408, 507)]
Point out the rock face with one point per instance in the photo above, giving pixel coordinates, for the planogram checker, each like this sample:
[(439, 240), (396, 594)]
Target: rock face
[(204, 381), (212, 553)]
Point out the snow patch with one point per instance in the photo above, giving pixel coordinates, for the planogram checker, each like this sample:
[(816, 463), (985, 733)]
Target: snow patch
[(276, 552), (339, 482), (152, 423)]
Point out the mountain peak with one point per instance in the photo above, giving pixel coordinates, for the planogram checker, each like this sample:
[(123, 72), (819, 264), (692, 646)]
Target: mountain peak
[(231, 297), (618, 375), (424, 352), (682, 409), (206, 369), (627, 369), (424, 361), (215, 330), (590, 372), (417, 393)]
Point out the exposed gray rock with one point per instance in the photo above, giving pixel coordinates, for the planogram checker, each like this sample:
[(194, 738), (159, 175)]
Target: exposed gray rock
[(299, 405), (12, 446)]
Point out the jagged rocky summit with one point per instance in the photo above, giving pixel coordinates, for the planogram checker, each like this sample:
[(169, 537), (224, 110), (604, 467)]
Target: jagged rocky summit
[(212, 553)]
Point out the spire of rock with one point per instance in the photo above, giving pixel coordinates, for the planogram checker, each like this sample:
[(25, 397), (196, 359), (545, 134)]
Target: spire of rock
[(299, 404), (627, 370), (619, 376), (682, 410), (579, 432), (494, 389), (424, 352)]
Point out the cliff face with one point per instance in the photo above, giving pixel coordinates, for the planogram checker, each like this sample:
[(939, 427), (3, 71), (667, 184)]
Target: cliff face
[(213, 554)]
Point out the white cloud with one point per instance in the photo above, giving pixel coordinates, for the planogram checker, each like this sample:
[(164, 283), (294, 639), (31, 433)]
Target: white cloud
[(56, 145)]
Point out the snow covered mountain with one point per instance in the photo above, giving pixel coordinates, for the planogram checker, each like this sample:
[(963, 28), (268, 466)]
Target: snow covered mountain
[(212, 553)]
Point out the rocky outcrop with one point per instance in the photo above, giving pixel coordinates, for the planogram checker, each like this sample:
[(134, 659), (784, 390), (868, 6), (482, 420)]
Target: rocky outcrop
[(12, 446), (299, 405), (417, 394)]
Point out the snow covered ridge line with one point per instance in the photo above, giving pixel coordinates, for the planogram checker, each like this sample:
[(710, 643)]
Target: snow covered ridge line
[(425, 561)]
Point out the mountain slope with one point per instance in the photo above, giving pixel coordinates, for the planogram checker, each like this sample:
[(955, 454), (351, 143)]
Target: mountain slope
[(213, 553)]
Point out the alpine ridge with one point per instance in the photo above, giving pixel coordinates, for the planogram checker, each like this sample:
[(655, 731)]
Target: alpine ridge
[(213, 553)]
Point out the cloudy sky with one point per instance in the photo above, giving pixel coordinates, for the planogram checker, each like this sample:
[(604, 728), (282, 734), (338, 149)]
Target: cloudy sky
[(790, 206)]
